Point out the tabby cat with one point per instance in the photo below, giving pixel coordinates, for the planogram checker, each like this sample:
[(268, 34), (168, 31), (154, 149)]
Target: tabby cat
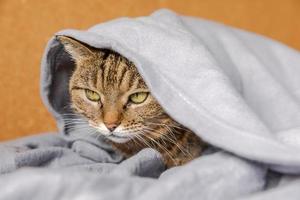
[(107, 90)]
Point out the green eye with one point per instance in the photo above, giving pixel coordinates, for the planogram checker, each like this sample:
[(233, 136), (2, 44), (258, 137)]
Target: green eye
[(92, 96), (138, 97)]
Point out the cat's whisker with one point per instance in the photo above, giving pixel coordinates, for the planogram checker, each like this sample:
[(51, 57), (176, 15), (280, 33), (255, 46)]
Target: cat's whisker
[(151, 131), (150, 140), (77, 124), (156, 131), (78, 129), (97, 137), (92, 132), (168, 125), (74, 119), (160, 146), (181, 148), (70, 114), (171, 133), (133, 137), (74, 123), (165, 150), (141, 140), (84, 131), (168, 138), (144, 141)]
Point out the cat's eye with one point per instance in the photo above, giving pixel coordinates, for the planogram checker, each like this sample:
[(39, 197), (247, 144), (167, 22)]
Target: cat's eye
[(92, 96), (138, 97)]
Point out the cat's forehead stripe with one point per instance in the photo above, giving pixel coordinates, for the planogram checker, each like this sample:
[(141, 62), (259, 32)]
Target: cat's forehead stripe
[(110, 69), (121, 72), (115, 71), (105, 74), (135, 83), (125, 81), (102, 69), (99, 81)]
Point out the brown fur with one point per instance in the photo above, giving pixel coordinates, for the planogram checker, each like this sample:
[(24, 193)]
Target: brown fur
[(115, 78)]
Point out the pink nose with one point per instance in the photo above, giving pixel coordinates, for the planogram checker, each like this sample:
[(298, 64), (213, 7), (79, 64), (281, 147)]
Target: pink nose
[(112, 127)]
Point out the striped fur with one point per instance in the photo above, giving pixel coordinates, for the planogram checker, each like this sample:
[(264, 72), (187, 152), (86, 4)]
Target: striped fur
[(143, 125)]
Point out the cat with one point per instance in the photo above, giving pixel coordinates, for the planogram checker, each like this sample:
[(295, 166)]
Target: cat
[(107, 89)]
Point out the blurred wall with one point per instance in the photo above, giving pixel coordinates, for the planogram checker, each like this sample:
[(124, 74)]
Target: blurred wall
[(26, 25)]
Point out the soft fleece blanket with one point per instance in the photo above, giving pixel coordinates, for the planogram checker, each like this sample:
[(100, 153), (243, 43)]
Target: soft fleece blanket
[(238, 91)]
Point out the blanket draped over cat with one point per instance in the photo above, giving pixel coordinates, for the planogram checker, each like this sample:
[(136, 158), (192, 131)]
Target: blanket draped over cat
[(240, 92)]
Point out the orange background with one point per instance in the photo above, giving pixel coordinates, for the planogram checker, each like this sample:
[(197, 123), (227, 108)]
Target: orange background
[(26, 25)]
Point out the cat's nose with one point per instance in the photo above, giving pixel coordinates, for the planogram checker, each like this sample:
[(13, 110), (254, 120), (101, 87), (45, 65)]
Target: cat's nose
[(112, 127)]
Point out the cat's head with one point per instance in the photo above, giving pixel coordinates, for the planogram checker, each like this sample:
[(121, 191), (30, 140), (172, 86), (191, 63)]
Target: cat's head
[(108, 91)]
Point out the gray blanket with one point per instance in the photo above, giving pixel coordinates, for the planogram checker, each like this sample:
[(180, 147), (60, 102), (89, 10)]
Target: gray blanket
[(238, 91)]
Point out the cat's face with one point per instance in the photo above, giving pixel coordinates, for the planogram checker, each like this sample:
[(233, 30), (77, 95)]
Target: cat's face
[(110, 93)]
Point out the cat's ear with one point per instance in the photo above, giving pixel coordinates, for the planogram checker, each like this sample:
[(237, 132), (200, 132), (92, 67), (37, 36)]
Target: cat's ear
[(77, 50)]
